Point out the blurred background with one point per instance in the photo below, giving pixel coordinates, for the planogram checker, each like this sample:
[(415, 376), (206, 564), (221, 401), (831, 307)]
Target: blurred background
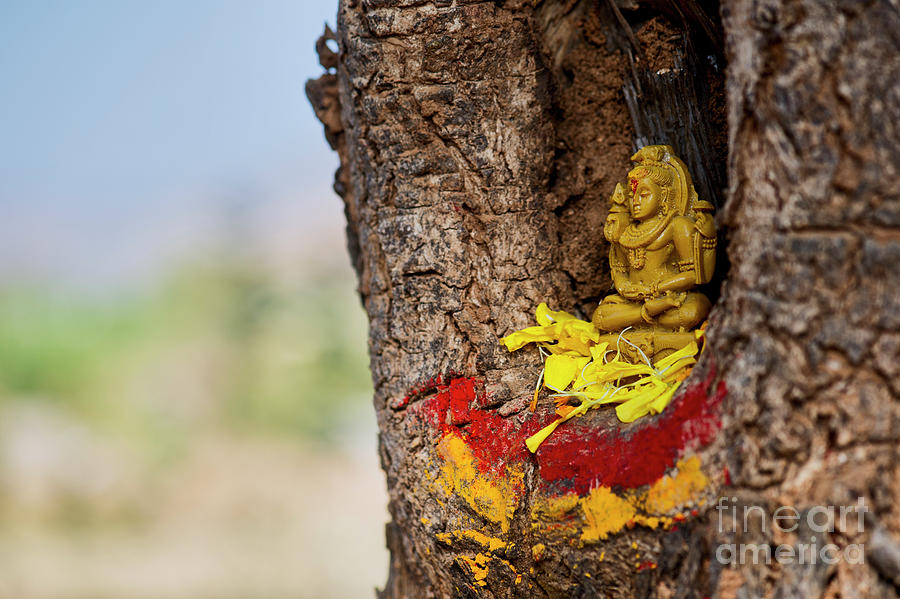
[(184, 396)]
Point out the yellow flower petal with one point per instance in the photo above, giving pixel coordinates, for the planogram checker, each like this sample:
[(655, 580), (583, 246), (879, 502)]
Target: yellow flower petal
[(546, 316), (578, 359), (688, 351), (615, 370), (554, 348), (599, 351), (635, 407), (660, 403), (535, 440), (519, 339), (560, 370)]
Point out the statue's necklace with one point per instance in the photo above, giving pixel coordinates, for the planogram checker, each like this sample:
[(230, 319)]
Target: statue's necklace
[(636, 237)]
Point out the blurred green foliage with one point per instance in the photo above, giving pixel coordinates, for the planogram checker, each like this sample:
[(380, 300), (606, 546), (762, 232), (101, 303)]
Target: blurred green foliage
[(226, 346)]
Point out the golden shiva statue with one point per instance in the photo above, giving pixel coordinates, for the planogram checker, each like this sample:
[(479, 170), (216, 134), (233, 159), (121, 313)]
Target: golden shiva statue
[(662, 245)]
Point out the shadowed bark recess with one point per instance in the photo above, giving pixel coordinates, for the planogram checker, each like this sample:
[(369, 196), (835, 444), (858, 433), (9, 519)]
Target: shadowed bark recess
[(479, 142)]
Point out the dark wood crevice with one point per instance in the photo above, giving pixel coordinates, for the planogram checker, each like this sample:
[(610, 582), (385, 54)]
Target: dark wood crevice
[(624, 75), (679, 99)]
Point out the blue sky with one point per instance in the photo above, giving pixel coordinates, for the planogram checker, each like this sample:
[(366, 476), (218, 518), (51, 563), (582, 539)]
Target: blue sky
[(121, 121)]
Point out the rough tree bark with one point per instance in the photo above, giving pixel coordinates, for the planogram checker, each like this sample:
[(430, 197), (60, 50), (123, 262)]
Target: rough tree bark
[(478, 144)]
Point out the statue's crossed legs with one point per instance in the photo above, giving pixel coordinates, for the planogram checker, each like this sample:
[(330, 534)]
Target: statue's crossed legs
[(660, 325)]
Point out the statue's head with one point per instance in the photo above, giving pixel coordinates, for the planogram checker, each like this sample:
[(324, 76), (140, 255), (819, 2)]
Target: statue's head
[(652, 191), (660, 184)]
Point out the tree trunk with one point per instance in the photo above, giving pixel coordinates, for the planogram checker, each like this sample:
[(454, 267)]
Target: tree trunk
[(478, 144)]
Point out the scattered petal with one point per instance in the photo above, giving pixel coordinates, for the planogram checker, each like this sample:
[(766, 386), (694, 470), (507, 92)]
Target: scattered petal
[(560, 370), (579, 366)]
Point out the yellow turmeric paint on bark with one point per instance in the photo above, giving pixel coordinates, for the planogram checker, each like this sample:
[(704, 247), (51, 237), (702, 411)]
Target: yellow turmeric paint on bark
[(556, 508), (558, 516), (593, 517), (492, 544), (604, 513), (493, 497), (672, 492), (477, 566), (653, 522)]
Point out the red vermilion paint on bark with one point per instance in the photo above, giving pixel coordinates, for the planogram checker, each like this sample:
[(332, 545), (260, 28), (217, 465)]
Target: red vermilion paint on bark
[(495, 440), (429, 386), (575, 458)]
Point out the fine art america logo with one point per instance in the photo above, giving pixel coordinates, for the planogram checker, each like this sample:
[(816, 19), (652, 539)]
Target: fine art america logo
[(816, 522)]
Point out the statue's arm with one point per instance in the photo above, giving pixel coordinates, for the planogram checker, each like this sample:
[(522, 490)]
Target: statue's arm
[(704, 244), (619, 272), (683, 232)]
